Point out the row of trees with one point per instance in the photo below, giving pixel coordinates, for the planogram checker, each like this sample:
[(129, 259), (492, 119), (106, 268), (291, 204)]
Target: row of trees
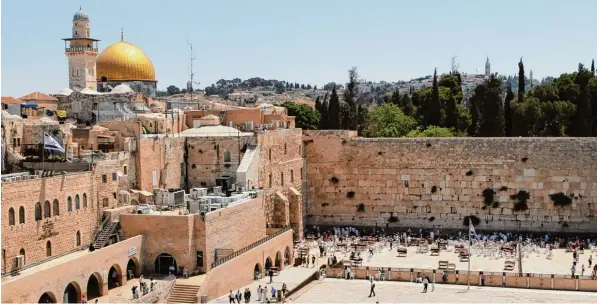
[(566, 106)]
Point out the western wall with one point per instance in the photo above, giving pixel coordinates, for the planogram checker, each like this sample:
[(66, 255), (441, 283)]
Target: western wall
[(517, 184)]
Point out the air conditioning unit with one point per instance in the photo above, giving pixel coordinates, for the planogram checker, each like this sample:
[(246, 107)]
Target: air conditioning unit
[(195, 207), (20, 261), (198, 192), (161, 196), (217, 190)]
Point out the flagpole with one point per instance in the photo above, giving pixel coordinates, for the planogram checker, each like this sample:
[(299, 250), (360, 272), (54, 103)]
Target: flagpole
[(470, 242), (43, 149)]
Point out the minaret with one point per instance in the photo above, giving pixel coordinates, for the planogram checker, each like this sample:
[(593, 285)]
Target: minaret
[(81, 51), (487, 68)]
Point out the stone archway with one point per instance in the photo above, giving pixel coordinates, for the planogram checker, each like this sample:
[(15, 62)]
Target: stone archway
[(268, 263), (163, 262), (114, 277), (287, 256), (47, 297), (72, 293), (278, 260), (133, 269), (94, 286), (257, 272)]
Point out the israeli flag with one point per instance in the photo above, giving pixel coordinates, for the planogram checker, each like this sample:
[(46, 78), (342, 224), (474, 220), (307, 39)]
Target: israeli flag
[(51, 144)]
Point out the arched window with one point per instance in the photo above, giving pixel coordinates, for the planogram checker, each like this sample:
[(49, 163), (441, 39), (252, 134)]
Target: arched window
[(21, 215), (227, 156), (84, 200), (78, 239), (48, 249), (77, 203), (56, 207), (69, 204), (22, 252), (11, 217), (47, 210), (38, 211)]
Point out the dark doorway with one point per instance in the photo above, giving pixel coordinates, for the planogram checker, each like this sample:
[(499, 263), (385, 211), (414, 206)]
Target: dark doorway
[(257, 272), (114, 278), (132, 269), (199, 258), (287, 256), (46, 298), (93, 287), (278, 261), (268, 264), (163, 263), (71, 294)]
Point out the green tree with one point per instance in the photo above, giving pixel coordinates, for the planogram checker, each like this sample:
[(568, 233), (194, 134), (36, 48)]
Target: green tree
[(406, 105), (388, 121), (315, 88), (593, 67), (334, 112), (306, 117), (361, 119), (451, 112), (318, 104), (491, 119), (593, 97), (324, 110), (476, 103), (508, 111), (520, 81), (432, 131), (172, 90), (395, 99), (527, 117), (435, 106), (464, 119), (350, 96), (582, 122)]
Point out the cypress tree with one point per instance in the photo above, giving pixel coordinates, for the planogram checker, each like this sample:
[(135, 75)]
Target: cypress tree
[(520, 81), (349, 116), (324, 121), (396, 98), (476, 104), (361, 118), (508, 111), (318, 104), (334, 111), (492, 110), (593, 67), (451, 112), (435, 107), (406, 105)]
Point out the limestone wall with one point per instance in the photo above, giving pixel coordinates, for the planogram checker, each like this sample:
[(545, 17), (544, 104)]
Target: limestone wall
[(437, 182)]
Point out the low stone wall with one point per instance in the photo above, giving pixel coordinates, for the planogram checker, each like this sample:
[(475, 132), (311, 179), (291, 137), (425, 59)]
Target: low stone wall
[(238, 272), (495, 279)]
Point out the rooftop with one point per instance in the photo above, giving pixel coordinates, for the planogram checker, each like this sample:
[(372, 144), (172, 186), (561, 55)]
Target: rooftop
[(214, 131)]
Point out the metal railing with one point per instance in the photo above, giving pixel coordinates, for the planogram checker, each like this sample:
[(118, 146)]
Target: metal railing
[(243, 250), (160, 292), (16, 272)]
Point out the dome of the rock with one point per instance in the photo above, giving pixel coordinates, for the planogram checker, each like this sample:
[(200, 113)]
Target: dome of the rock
[(123, 61)]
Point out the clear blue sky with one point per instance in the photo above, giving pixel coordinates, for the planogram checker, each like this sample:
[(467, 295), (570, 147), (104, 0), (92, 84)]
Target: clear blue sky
[(305, 41)]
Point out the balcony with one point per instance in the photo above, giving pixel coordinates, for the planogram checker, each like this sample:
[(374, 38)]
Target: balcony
[(80, 49)]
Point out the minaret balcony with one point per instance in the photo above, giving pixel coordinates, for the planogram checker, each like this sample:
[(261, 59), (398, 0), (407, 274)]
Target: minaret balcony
[(80, 49)]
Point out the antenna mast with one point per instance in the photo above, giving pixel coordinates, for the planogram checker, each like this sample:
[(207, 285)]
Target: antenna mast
[(191, 74)]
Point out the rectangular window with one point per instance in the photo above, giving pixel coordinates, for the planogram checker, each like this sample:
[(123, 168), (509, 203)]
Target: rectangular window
[(199, 258), (114, 176), (105, 202), (282, 178), (292, 176), (154, 177), (104, 179), (126, 170)]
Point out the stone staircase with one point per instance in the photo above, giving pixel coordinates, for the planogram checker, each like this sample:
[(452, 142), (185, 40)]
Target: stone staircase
[(184, 294), (104, 235)]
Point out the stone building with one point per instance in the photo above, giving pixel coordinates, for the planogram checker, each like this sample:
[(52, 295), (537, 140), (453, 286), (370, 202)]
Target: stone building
[(512, 184)]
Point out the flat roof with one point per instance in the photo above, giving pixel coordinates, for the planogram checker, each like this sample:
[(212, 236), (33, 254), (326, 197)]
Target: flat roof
[(46, 265)]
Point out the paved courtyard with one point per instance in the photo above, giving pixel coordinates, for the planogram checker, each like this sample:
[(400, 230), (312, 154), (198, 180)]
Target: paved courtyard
[(560, 263), (357, 291)]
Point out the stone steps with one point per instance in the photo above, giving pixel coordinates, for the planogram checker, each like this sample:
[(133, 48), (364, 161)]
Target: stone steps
[(183, 294)]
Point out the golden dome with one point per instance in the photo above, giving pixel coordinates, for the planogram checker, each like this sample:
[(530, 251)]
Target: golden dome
[(123, 61)]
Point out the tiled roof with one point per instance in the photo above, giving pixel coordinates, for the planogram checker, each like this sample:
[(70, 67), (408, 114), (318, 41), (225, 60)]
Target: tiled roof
[(11, 100), (38, 96)]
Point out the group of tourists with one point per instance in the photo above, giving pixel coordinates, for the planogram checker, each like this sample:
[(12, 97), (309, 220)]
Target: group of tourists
[(143, 288)]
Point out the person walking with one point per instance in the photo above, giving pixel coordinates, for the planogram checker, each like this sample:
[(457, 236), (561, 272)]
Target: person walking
[(248, 296), (590, 260), (259, 293), (482, 279), (238, 296), (372, 292), (425, 283), (313, 260), (271, 276), (231, 297)]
